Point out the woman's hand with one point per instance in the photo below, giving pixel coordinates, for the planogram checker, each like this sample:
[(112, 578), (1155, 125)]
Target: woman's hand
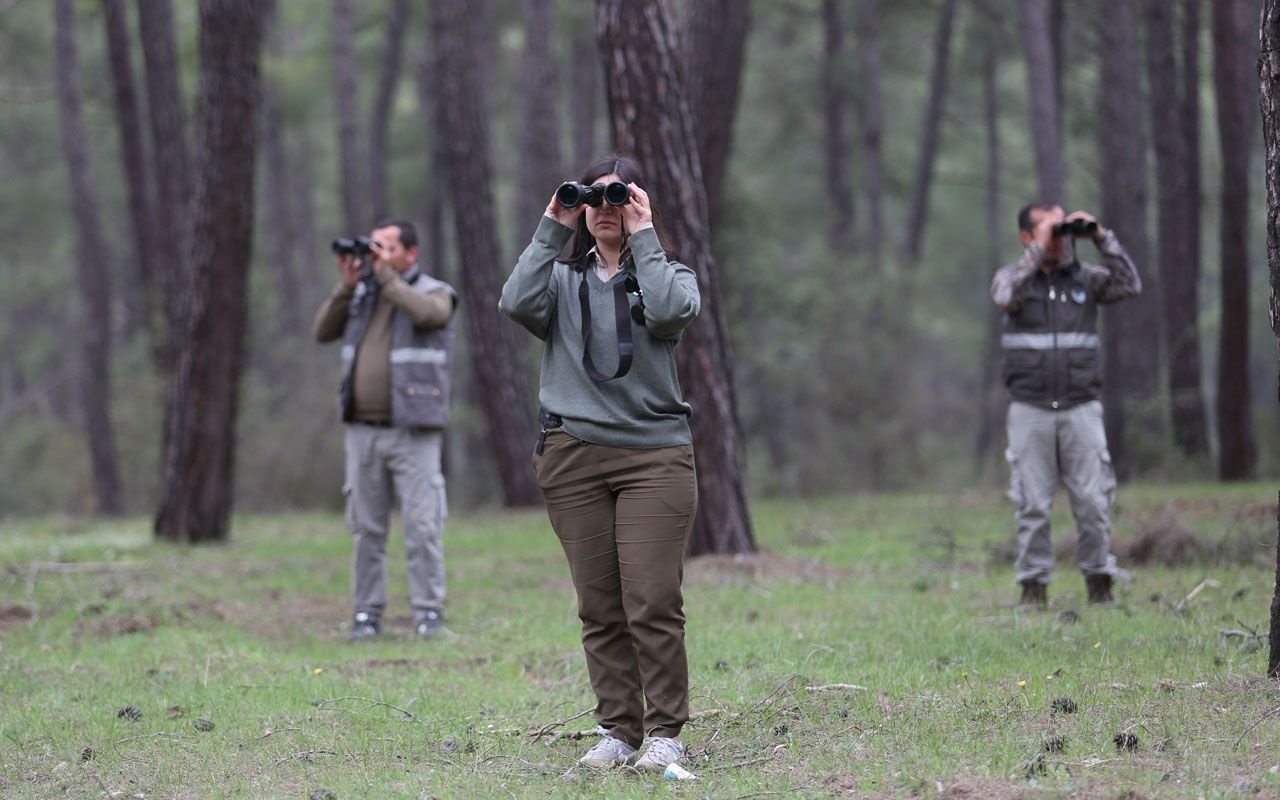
[(565, 216), (637, 214)]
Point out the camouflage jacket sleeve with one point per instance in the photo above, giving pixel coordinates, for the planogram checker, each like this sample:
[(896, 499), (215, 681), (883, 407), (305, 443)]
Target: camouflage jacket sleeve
[(1117, 278), (1010, 283)]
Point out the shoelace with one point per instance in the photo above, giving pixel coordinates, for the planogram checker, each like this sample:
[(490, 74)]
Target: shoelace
[(661, 748), (608, 746)]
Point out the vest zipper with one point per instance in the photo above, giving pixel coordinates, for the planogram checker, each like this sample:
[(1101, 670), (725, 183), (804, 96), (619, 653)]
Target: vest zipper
[(1053, 327)]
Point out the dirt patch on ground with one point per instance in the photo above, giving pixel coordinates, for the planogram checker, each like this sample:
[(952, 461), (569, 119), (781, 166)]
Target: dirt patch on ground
[(318, 615), (107, 627), (13, 616), (952, 789), (1164, 538), (758, 567)]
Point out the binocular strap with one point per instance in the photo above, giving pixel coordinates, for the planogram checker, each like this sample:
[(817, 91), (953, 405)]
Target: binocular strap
[(622, 318)]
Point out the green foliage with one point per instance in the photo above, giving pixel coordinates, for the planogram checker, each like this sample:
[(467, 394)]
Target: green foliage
[(898, 594)]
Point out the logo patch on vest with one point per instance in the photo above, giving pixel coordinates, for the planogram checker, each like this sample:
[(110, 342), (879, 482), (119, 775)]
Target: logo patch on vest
[(1078, 295)]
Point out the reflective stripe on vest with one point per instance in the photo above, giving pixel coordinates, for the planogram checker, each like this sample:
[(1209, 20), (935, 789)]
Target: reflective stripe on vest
[(1048, 341), (419, 355)]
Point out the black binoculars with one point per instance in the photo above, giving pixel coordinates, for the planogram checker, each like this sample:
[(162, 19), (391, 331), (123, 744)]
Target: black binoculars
[(572, 194), (1076, 226), (356, 246)]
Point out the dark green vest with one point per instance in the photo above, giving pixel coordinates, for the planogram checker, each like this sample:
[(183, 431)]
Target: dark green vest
[(1050, 341)]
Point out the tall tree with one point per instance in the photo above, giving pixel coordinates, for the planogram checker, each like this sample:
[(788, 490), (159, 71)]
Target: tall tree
[(346, 107), (715, 46), (1131, 358), (432, 249), (584, 86), (379, 120), (1232, 78), (283, 240), (166, 110), (832, 81), (145, 256), (1269, 100), (197, 488), (1179, 276), (993, 402), (930, 127), (495, 353), (539, 171), (92, 271), (872, 128), (651, 118), (1046, 125)]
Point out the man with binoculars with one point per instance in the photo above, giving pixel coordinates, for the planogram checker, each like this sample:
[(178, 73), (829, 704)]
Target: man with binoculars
[(1052, 370), (397, 342)]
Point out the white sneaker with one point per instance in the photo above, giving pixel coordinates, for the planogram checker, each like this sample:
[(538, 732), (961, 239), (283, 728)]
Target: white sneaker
[(608, 752), (658, 752)]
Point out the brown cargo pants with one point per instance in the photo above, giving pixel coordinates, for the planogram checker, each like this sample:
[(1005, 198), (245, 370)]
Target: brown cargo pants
[(623, 517)]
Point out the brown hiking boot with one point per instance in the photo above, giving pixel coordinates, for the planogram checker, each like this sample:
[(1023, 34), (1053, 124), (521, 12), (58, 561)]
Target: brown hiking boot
[(1099, 587), (1034, 593)]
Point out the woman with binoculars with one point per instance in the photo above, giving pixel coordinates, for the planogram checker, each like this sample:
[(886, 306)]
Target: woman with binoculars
[(614, 457)]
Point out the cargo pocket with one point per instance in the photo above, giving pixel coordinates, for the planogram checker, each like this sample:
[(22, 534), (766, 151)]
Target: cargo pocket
[(1014, 492), (442, 500), (1108, 476)]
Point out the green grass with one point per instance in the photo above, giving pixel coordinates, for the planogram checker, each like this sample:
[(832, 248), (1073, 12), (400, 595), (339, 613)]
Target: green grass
[(898, 594)]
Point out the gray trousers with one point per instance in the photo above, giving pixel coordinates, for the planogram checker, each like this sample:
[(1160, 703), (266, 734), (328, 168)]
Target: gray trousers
[(383, 463), (1070, 446)]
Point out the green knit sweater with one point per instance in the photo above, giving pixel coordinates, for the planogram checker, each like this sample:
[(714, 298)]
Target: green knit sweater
[(643, 409)]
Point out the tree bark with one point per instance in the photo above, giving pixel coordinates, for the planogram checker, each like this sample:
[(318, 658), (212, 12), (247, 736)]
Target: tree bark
[(1269, 99), (651, 119), (346, 107), (92, 271), (1046, 125), (283, 239), (495, 353), (993, 404), (432, 249), (1232, 77), (166, 109), (872, 130), (197, 490), (539, 171), (715, 46), (147, 301), (388, 80), (918, 208), (1131, 341), (842, 236), (1175, 220)]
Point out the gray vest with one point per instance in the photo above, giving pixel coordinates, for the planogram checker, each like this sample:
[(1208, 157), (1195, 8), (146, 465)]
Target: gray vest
[(1051, 341), (419, 359)]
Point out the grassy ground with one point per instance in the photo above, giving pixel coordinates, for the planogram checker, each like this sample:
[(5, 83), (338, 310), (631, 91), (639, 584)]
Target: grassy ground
[(906, 596)]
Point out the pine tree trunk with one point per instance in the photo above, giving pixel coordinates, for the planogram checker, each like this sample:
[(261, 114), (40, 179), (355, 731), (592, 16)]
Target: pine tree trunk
[(146, 300), (388, 79), (92, 271), (495, 353), (283, 240), (930, 126), (992, 405), (539, 171), (1046, 125), (651, 119), (834, 94), (432, 249), (166, 109), (584, 85), (1232, 76), (715, 45), (1269, 100), (346, 107), (872, 130), (1175, 221), (197, 490), (1131, 340)]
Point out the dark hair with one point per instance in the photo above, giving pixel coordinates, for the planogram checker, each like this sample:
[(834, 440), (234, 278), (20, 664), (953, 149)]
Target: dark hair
[(1024, 216), (408, 233), (626, 168)]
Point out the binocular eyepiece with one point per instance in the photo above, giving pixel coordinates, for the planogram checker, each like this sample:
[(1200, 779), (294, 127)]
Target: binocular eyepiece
[(356, 246), (1076, 226), (572, 194)]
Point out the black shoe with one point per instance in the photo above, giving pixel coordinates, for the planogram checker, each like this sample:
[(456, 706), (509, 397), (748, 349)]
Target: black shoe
[(1099, 587), (364, 626), (429, 624), (1034, 593)]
